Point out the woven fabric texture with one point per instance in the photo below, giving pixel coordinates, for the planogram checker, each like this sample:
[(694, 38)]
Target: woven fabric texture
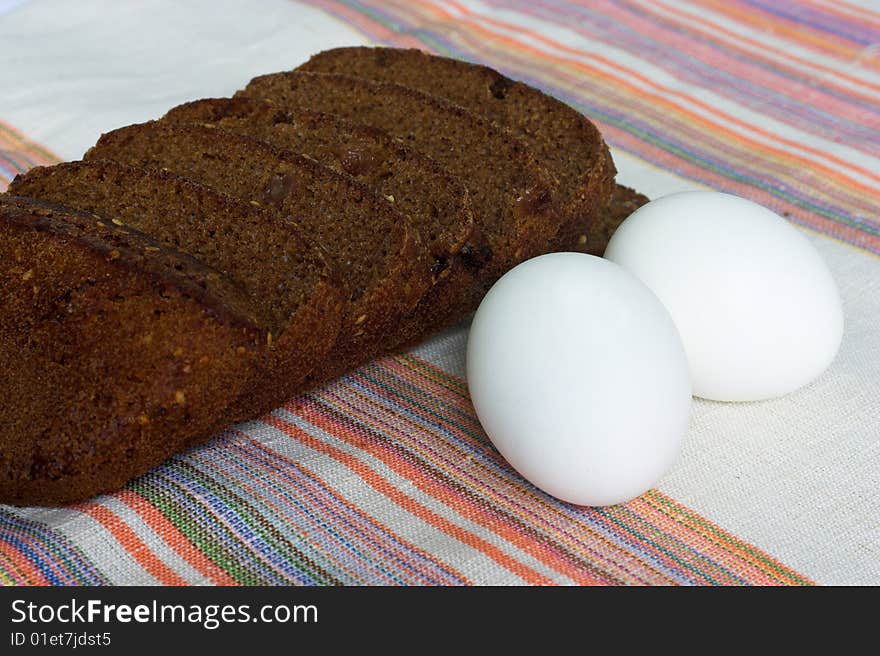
[(384, 476)]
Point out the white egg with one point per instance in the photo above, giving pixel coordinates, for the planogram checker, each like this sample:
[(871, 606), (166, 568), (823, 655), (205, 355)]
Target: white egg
[(579, 378), (756, 307)]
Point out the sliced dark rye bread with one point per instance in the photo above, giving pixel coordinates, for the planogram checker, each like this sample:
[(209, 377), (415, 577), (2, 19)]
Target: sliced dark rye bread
[(124, 352), (624, 202), (435, 200), (512, 194), (286, 276), (376, 250), (566, 141)]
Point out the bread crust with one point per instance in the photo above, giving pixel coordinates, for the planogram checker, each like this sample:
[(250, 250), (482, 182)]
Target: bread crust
[(565, 141), (624, 201), (378, 254), (512, 194), (428, 195)]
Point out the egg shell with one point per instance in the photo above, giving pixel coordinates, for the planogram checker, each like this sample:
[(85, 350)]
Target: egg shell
[(579, 378), (756, 307)]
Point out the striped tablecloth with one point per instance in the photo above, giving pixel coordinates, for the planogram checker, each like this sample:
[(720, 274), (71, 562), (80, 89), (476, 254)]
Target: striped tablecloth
[(384, 476)]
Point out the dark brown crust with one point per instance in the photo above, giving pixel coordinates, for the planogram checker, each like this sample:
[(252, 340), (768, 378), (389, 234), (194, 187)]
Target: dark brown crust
[(119, 361), (511, 192), (301, 131), (422, 189), (303, 318), (317, 200), (624, 202), (136, 251), (136, 196), (564, 140)]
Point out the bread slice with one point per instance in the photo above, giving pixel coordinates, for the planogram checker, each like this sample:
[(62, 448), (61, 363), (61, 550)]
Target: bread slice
[(116, 352), (376, 251), (283, 274), (624, 202), (432, 198), (511, 193), (564, 140)]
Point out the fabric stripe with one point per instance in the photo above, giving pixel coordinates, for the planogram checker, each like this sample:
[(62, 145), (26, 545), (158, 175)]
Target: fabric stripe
[(176, 540), (18, 154), (385, 445), (292, 528), (131, 542), (438, 437), (169, 557), (718, 144), (458, 556), (336, 531), (809, 28), (789, 65), (372, 479), (848, 11), (32, 553)]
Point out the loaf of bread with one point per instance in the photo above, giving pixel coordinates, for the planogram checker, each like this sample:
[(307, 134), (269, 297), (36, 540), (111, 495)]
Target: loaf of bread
[(202, 269)]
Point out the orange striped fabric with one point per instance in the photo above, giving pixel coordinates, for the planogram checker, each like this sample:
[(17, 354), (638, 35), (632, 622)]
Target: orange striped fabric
[(18, 154)]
